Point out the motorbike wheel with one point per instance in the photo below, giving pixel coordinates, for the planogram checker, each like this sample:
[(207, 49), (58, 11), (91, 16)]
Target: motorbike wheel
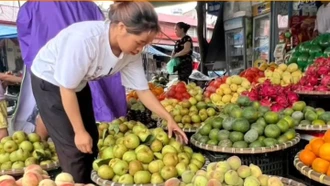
[(11, 107)]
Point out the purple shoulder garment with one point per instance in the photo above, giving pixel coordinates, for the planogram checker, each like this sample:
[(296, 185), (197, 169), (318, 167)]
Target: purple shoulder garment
[(37, 23)]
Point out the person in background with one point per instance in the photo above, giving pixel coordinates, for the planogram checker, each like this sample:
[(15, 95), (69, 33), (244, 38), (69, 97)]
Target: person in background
[(93, 49), (109, 99), (322, 22), (183, 50)]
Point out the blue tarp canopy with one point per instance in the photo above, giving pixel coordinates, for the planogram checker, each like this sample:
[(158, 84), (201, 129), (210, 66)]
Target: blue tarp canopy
[(7, 32), (151, 50)]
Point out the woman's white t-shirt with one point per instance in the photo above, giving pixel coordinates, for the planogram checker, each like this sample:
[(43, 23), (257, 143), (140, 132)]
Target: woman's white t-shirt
[(82, 53)]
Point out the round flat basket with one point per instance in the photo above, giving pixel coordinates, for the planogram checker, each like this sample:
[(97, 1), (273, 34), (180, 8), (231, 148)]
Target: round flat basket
[(289, 182), (313, 93), (258, 150), (20, 172), (312, 127), (310, 173)]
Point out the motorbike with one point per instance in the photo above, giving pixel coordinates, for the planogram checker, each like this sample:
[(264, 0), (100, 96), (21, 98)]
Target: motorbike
[(11, 95)]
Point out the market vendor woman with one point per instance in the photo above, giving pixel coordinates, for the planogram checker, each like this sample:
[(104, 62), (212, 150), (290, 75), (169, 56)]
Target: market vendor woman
[(183, 51), (87, 51)]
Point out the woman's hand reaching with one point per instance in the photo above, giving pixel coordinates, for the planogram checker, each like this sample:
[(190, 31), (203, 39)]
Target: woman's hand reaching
[(173, 127)]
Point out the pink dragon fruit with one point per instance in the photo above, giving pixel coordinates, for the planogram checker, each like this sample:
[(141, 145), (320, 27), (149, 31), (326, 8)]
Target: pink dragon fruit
[(321, 88), (313, 80), (282, 101), (323, 70), (276, 108), (266, 102), (292, 97), (253, 95), (320, 61), (306, 88), (325, 81)]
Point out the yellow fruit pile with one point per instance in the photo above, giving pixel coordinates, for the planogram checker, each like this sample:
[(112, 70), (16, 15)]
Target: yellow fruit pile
[(230, 91), (283, 75)]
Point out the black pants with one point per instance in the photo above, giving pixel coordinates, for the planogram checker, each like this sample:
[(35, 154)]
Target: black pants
[(49, 103)]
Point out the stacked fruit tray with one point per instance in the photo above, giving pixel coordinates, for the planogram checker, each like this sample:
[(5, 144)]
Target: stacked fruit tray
[(21, 150)]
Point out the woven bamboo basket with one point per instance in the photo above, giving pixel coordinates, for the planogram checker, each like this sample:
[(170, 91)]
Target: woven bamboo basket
[(258, 150), (313, 93), (20, 172), (310, 173), (312, 127), (101, 182)]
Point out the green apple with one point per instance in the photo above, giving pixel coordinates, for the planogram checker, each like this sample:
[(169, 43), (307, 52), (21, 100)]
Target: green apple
[(156, 131), (135, 166), (19, 137), (109, 140), (141, 147), (192, 101), (119, 150), (142, 177), (10, 146), (138, 128), (193, 167), (14, 157), (96, 164), (184, 157), (131, 141), (4, 157), (181, 168), (113, 161), (170, 159), (143, 135), (168, 149), (105, 172), (163, 137), (168, 172), (120, 167), (30, 161), (156, 146), (107, 153), (126, 179), (187, 176), (115, 178), (188, 150), (46, 163), (155, 166), (120, 140), (38, 145), (34, 137), (197, 163), (26, 146), (158, 155), (145, 155), (129, 156), (38, 154), (156, 178), (199, 157), (6, 166), (4, 139), (177, 145)]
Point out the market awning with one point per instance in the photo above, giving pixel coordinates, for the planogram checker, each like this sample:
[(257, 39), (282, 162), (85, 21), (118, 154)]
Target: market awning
[(151, 50), (7, 32)]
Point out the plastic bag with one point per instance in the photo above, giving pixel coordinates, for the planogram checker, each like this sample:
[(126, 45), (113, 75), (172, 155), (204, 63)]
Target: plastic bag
[(197, 75), (172, 65)]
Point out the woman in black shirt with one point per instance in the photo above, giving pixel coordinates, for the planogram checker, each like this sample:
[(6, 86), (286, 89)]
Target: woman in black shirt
[(183, 51)]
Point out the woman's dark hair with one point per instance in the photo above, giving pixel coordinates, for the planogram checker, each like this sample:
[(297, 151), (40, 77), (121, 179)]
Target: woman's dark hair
[(183, 26), (138, 17)]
